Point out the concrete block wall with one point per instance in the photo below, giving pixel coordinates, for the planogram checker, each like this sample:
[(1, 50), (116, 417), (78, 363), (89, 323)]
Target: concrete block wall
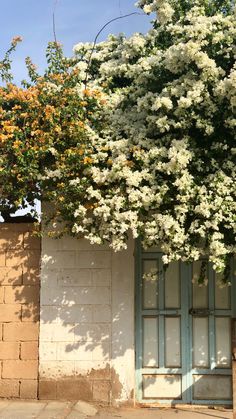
[(19, 311), (86, 322)]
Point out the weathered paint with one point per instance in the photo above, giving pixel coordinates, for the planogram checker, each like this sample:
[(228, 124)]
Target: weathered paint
[(158, 380), (87, 322)]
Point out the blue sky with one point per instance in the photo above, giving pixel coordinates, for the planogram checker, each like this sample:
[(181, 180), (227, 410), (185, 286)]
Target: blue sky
[(76, 21)]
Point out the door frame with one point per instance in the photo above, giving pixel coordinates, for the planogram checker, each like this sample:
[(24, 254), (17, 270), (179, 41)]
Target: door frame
[(186, 337)]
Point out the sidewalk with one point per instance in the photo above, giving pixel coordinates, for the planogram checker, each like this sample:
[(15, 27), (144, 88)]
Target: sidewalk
[(11, 409)]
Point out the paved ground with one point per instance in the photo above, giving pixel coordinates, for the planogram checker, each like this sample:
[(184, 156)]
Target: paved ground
[(70, 410), (166, 414)]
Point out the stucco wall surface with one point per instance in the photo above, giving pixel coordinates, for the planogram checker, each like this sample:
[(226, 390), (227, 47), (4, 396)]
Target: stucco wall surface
[(87, 322)]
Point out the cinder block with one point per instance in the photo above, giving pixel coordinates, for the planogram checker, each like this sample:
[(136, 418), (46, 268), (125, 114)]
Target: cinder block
[(20, 369), (11, 276), (31, 241), (1, 295), (75, 277), (29, 350), (31, 276), (48, 351), (58, 333), (93, 332), (48, 297), (56, 369), (59, 259), (102, 313), (49, 278), (47, 390), (49, 314), (101, 277), (78, 295), (102, 351), (74, 351), (17, 227), (2, 258), (1, 326), (10, 313), (33, 259), (101, 391), (76, 314), (93, 369), (28, 389), (11, 239), (30, 312), (14, 258), (13, 332), (25, 257), (25, 294), (9, 350), (71, 243), (93, 259), (74, 389), (9, 388)]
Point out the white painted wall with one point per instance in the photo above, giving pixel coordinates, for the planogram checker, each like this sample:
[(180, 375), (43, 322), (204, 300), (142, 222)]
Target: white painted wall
[(87, 313)]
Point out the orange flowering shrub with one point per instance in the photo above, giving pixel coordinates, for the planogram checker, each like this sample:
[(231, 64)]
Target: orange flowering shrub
[(46, 129)]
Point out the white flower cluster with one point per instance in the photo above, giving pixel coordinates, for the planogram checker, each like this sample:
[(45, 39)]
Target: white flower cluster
[(164, 163), (151, 276)]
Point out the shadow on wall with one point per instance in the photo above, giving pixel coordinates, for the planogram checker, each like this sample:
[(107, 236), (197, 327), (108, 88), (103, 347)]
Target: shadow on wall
[(19, 310), (86, 321), (19, 265)]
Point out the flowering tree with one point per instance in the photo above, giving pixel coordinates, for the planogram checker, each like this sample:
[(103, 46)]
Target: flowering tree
[(139, 134), (164, 167), (45, 131)]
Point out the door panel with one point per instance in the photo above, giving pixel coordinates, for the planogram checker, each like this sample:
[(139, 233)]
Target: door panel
[(183, 341), (212, 387), (162, 386), (150, 342), (150, 284), (200, 342), (172, 342), (222, 295), (200, 293), (223, 342), (172, 286)]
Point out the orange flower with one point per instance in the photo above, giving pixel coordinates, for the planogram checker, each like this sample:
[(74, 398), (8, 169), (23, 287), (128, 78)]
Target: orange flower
[(88, 160), (17, 144)]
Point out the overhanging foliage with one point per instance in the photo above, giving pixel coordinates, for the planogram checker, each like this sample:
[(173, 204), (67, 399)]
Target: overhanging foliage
[(148, 143)]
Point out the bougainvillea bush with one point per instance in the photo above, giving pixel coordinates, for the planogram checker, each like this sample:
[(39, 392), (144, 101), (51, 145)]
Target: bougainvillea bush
[(145, 140), (167, 161)]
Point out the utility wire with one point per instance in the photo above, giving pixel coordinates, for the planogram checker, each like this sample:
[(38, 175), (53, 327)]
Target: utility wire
[(99, 33)]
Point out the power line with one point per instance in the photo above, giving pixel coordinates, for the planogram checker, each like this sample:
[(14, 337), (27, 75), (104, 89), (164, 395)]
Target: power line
[(99, 33)]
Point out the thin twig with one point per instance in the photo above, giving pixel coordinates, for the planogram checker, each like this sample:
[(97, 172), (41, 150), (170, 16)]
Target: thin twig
[(99, 33)]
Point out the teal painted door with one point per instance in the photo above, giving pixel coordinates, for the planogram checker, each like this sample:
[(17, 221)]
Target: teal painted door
[(183, 334)]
